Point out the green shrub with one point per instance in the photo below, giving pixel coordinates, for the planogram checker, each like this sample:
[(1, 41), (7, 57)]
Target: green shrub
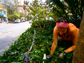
[(42, 45)]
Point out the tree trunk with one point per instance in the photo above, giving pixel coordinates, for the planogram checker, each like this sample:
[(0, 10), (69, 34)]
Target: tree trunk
[(78, 54)]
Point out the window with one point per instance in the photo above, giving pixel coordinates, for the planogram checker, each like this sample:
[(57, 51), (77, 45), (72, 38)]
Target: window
[(0, 11), (5, 12)]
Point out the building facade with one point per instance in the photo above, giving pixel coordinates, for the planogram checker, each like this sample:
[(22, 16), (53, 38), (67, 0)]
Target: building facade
[(20, 7), (3, 14)]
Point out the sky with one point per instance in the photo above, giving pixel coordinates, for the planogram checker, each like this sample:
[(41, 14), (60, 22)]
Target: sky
[(22, 1), (30, 1), (33, 0), (4, 1)]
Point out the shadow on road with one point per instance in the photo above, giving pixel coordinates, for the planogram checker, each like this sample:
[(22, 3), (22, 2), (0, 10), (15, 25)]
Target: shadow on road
[(5, 42)]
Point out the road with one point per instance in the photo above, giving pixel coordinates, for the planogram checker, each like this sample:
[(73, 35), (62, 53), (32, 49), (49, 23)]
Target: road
[(10, 32)]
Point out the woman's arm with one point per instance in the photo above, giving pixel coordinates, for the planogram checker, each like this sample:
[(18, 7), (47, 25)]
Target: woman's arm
[(74, 40), (55, 39), (70, 49)]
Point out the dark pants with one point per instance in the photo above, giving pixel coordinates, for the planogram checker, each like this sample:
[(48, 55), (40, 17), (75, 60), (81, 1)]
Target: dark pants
[(64, 43)]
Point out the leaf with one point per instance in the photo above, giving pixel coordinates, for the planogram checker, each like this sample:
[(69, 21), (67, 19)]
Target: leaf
[(20, 58)]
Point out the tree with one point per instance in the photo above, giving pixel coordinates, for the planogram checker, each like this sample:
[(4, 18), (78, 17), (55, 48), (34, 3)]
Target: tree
[(33, 9), (72, 6), (12, 9), (11, 6), (76, 10), (58, 9), (10, 16), (22, 14), (37, 9), (29, 17), (16, 15), (78, 55)]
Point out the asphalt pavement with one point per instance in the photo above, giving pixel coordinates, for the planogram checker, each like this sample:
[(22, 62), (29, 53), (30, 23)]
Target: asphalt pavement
[(10, 32)]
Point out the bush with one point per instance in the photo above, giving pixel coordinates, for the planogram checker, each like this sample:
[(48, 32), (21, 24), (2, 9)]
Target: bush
[(42, 45)]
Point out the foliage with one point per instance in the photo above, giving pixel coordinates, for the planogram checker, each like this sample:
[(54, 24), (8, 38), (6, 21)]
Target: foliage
[(42, 45), (11, 6), (29, 17), (75, 7), (21, 14), (38, 10), (16, 15), (10, 16), (58, 9)]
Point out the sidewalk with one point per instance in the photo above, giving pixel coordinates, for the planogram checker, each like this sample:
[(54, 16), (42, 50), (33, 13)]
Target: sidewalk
[(6, 23), (3, 23)]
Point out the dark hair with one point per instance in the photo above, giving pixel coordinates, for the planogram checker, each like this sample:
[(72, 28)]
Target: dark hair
[(63, 19)]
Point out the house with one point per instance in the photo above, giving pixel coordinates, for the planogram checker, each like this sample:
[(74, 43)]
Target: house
[(20, 7), (3, 14)]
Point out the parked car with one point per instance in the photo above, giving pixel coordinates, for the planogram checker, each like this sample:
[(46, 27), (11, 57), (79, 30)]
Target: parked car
[(0, 21), (23, 20), (30, 21), (17, 21)]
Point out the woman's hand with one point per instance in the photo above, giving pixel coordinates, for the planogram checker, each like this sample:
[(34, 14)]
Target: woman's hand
[(49, 57), (62, 55)]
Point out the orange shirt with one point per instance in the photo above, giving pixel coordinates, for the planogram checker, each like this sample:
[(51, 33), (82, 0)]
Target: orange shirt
[(68, 35)]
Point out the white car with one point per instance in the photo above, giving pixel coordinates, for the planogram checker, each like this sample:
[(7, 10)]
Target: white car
[(23, 20), (17, 21)]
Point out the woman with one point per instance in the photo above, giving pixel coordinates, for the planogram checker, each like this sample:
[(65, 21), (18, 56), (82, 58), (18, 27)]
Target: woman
[(64, 32)]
